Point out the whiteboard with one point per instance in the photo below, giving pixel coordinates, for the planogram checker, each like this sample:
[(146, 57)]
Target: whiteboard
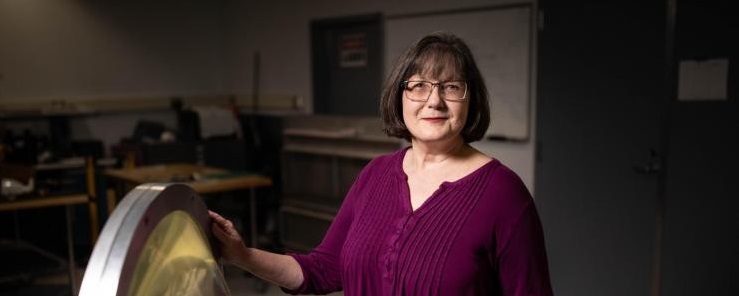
[(500, 39)]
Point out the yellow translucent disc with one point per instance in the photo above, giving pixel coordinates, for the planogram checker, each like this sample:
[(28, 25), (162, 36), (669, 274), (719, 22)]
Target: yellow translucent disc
[(177, 260)]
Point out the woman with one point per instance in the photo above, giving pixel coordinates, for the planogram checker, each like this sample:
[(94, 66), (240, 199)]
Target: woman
[(436, 218)]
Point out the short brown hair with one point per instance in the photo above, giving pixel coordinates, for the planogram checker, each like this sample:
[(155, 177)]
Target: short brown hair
[(424, 57)]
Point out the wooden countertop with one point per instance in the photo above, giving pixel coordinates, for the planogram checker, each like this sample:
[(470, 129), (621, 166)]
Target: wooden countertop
[(202, 179), (40, 202)]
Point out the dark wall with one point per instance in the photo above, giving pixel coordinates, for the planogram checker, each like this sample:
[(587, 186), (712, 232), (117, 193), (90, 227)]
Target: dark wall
[(701, 230)]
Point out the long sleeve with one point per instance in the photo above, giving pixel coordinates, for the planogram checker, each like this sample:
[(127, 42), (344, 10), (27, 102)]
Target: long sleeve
[(519, 244)]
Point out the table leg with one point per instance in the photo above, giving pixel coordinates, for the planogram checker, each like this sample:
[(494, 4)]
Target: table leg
[(253, 217), (70, 250)]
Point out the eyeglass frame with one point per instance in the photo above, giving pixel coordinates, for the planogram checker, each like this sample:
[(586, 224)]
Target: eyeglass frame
[(438, 86)]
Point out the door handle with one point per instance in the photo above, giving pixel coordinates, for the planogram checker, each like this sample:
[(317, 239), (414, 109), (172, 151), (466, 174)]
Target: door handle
[(653, 166)]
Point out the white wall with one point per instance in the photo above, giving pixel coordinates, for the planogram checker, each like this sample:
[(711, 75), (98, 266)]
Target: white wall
[(279, 30)]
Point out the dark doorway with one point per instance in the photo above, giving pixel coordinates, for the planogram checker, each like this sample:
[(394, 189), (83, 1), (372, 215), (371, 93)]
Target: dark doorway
[(600, 103), (347, 65)]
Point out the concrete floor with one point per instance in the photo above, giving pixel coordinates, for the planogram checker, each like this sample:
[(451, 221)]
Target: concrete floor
[(239, 283)]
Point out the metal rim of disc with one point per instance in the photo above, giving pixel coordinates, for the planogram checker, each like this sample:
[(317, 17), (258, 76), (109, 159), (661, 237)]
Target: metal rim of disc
[(115, 255)]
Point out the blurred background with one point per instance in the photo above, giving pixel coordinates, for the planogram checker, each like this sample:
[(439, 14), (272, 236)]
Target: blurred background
[(620, 117)]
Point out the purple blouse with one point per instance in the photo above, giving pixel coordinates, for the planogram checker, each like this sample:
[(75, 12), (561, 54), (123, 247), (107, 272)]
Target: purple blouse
[(479, 235)]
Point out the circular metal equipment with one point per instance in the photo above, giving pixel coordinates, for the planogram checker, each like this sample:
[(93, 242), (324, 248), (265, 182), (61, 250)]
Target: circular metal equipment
[(156, 242)]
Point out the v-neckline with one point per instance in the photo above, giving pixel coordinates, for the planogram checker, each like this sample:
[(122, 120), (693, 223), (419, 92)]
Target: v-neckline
[(406, 194), (408, 205)]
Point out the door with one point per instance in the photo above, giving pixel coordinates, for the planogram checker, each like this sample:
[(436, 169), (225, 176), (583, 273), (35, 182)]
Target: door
[(347, 65), (599, 117)]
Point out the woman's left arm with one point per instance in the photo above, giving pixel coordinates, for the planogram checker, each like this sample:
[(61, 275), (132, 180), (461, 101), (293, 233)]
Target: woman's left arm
[(518, 250), (521, 257)]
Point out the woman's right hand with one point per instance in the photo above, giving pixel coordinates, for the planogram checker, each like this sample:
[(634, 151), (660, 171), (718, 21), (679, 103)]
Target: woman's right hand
[(232, 245), (279, 269)]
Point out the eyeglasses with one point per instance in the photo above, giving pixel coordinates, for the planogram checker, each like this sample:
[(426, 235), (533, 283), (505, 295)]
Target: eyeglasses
[(420, 90)]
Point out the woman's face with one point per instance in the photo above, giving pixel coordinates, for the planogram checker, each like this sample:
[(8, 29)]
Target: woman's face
[(435, 120)]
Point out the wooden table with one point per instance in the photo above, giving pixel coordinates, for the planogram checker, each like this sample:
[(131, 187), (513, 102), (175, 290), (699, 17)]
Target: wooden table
[(201, 179), (52, 201), (42, 202)]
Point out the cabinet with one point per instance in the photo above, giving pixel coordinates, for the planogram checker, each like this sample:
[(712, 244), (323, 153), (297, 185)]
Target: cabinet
[(319, 167)]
